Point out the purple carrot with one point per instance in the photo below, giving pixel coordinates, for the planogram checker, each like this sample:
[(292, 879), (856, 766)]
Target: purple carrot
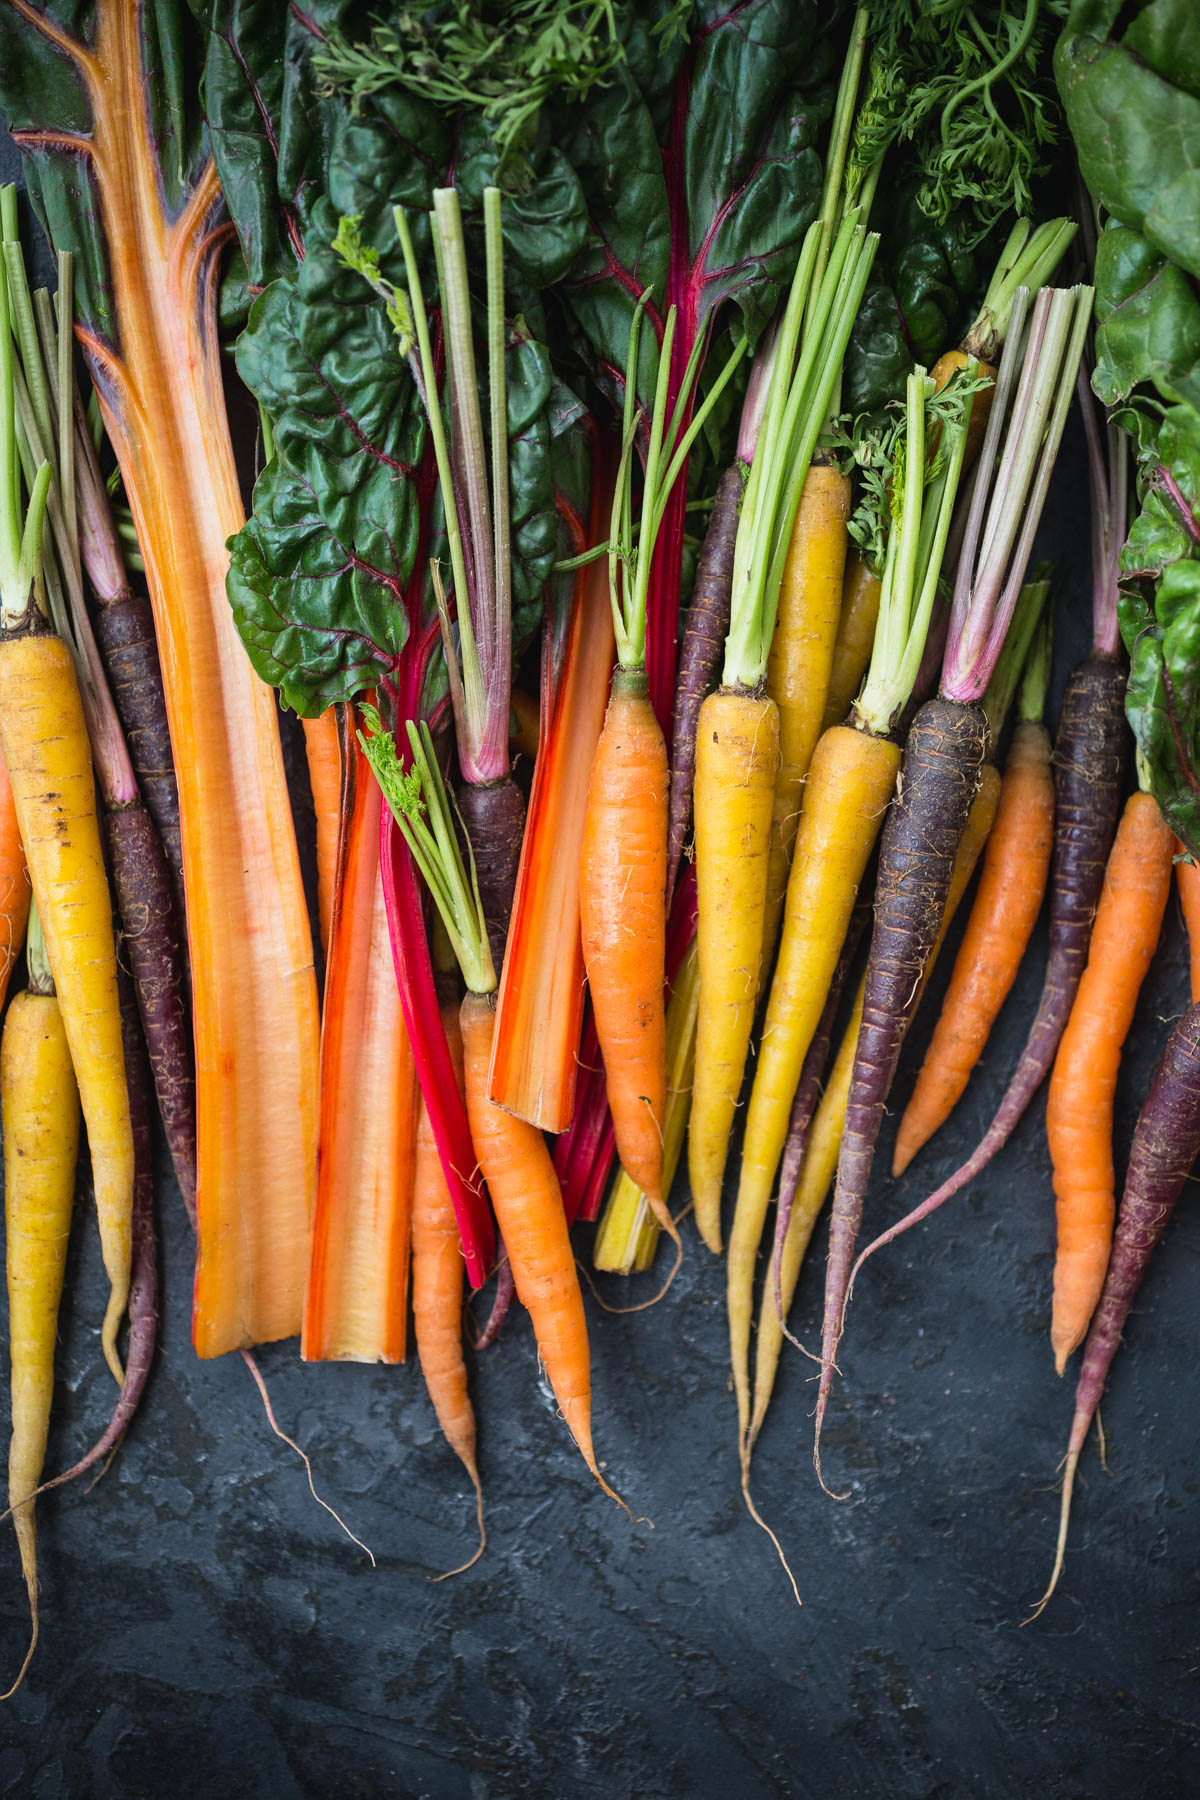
[(143, 1285), (1165, 1145), (153, 942), (703, 642), (1089, 758), (502, 1299), (1089, 754), (808, 1092), (946, 749), (124, 628), (938, 784), (494, 815)]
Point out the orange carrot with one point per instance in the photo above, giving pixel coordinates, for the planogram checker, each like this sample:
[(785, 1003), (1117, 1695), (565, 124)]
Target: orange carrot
[(1187, 874), (1079, 1108), (14, 883), (513, 1157), (1016, 864), (325, 778), (622, 896), (437, 1290), (529, 1211), (524, 732)]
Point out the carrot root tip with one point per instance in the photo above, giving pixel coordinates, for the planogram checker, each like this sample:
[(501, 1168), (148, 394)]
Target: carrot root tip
[(291, 1443)]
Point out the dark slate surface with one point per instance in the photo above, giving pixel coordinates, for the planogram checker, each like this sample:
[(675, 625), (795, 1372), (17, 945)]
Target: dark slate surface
[(207, 1630)]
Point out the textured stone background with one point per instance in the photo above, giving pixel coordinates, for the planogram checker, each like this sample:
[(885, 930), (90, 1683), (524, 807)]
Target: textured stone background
[(207, 1630)]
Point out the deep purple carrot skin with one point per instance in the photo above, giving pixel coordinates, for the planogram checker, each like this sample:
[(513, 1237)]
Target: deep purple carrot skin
[(124, 630), (808, 1092), (703, 642), (153, 945), (938, 782), (1089, 759), (1165, 1146), (143, 1285), (494, 815)]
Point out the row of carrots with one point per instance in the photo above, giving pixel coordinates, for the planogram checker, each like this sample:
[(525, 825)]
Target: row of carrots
[(864, 621)]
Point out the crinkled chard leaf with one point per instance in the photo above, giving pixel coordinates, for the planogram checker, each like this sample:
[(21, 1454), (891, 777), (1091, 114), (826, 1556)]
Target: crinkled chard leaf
[(1147, 321), (1160, 615), (920, 304), (38, 83), (701, 169), (321, 571), (270, 128), (1133, 106)]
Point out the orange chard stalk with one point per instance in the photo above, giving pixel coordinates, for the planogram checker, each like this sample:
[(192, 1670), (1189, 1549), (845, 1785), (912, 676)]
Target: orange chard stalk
[(158, 378), (357, 1302), (323, 754), (535, 1048)]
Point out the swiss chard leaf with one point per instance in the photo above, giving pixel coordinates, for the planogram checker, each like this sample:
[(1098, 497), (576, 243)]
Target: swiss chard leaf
[(1147, 321), (701, 171), (270, 129), (1133, 106), (41, 79), (324, 569), (920, 303), (1160, 614)]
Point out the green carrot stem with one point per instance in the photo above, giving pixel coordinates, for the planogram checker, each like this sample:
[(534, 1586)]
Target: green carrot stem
[(1035, 678), (420, 806), (37, 961), (1006, 677)]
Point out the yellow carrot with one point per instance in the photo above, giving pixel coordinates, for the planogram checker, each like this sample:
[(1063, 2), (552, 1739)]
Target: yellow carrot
[(861, 589), (737, 754), (45, 745), (820, 1167), (849, 786), (39, 1107), (799, 665)]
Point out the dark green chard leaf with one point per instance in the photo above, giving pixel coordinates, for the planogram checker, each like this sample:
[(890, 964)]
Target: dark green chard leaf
[(921, 303), (38, 82), (1166, 530), (1160, 614), (320, 571), (1133, 106), (270, 129), (701, 171), (282, 140), (1147, 321)]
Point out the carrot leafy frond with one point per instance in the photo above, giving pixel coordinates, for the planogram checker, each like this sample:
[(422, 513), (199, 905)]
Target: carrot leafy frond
[(420, 806)]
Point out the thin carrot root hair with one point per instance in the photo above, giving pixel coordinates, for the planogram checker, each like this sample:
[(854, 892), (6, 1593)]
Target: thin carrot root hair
[(672, 1230), (760, 1521), (462, 1568), (291, 1443), (31, 1585), (1060, 1550)]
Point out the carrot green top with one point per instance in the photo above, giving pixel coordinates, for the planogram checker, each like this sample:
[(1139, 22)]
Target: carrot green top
[(915, 485), (630, 559), (20, 527), (1033, 395), (813, 336), (421, 808)]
